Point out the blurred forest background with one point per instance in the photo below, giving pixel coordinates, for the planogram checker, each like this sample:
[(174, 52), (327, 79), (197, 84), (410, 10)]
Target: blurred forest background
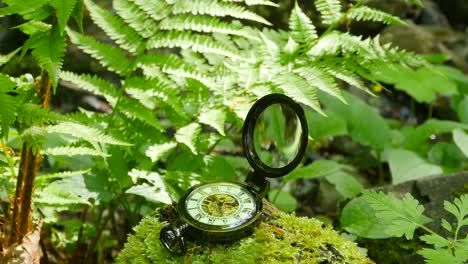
[(130, 129)]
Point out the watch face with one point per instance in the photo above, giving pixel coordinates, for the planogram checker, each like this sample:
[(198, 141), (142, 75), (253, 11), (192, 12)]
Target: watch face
[(220, 205)]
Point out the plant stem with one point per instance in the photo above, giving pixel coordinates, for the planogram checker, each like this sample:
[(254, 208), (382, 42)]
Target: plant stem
[(29, 166)]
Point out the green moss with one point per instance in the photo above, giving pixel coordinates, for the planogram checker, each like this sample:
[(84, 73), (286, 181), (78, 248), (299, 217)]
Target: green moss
[(284, 239)]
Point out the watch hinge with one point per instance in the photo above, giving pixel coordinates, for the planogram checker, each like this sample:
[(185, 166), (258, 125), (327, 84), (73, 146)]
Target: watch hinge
[(259, 183)]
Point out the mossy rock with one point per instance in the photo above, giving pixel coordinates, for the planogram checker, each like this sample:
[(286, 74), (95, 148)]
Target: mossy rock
[(282, 239)]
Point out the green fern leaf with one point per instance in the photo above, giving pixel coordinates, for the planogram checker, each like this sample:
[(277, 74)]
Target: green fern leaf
[(85, 133), (459, 208), (7, 113), (125, 36), (28, 11), (364, 13), (299, 89), (33, 27), (346, 75), (151, 92), (213, 117), (217, 9), (57, 195), (6, 58), (156, 9), (107, 55), (301, 27), (135, 17), (39, 180), (404, 215), (155, 152), (254, 2), (188, 135), (48, 49), (204, 24), (63, 11), (186, 40), (92, 84), (78, 14), (330, 10), (134, 109), (322, 80), (74, 151)]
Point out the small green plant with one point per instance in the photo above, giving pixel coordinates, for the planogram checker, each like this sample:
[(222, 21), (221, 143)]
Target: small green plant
[(398, 217)]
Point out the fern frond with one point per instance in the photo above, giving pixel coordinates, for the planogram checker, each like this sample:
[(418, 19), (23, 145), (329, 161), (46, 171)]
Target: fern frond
[(6, 58), (330, 10), (204, 24), (92, 84), (301, 27), (114, 27), (217, 9), (135, 17), (299, 89), (155, 152), (364, 13), (254, 2), (188, 135), (49, 49), (322, 80), (8, 105), (134, 109), (74, 151), (28, 11), (156, 9), (63, 11), (187, 40), (86, 133), (107, 55), (347, 76), (58, 175)]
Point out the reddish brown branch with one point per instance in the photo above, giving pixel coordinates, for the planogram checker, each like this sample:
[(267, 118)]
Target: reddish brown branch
[(28, 169)]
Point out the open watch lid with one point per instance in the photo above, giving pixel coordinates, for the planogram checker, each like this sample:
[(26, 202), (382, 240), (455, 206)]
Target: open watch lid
[(274, 135)]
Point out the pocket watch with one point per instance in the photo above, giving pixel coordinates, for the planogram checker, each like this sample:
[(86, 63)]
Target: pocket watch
[(274, 138)]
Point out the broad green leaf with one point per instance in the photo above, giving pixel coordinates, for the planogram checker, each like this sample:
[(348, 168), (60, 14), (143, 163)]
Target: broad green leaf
[(346, 185), (415, 138), (461, 139), (63, 10), (217, 168), (446, 155), (358, 218), (188, 135), (318, 168), (364, 123), (118, 168), (155, 152), (423, 84), (325, 126), (403, 216), (462, 110), (84, 132), (406, 165), (284, 200)]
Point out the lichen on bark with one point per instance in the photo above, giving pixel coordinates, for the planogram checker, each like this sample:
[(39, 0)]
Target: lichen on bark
[(282, 239)]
